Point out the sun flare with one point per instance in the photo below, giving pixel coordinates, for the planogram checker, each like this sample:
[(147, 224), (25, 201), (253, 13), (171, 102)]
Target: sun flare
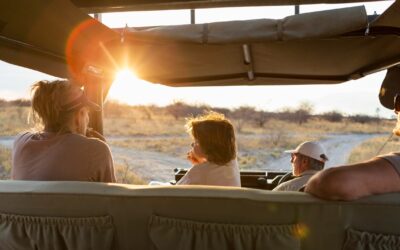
[(128, 88), (125, 75)]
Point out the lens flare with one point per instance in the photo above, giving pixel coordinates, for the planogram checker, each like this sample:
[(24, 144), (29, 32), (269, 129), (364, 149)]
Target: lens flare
[(76, 48), (302, 231)]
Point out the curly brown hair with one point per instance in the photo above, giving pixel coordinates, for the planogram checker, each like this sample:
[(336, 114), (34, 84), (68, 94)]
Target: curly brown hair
[(215, 135)]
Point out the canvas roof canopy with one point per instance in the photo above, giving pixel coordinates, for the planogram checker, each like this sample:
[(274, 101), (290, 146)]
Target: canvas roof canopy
[(91, 6), (322, 47), (56, 37), (52, 36)]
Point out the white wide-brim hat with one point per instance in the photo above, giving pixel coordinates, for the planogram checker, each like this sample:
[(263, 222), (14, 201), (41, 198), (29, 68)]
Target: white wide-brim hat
[(311, 149)]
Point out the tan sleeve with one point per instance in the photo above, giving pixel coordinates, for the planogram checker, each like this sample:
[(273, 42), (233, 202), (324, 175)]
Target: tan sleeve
[(19, 143), (102, 163), (109, 173), (393, 159)]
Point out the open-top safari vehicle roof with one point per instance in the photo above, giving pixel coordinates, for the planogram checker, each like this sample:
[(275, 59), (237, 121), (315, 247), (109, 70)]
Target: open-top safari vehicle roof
[(128, 5), (59, 38)]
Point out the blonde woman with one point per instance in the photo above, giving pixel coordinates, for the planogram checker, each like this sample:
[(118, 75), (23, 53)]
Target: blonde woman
[(61, 151), (213, 152)]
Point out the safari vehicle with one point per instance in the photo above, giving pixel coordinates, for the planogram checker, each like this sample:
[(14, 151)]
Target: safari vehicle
[(59, 38)]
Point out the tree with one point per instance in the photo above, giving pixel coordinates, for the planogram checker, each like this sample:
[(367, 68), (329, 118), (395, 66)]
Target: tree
[(261, 117), (243, 115), (361, 118), (332, 116), (303, 112), (180, 109)]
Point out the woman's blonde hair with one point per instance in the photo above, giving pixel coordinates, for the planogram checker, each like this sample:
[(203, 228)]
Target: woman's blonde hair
[(215, 135), (46, 107)]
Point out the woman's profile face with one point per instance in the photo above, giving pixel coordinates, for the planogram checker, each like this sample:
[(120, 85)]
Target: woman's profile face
[(396, 130), (196, 155)]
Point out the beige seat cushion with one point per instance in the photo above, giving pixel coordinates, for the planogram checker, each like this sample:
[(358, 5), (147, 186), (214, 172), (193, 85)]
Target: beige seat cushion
[(363, 240), (172, 233), (55, 233)]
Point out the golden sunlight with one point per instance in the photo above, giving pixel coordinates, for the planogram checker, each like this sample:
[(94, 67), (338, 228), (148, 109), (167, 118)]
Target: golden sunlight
[(128, 88)]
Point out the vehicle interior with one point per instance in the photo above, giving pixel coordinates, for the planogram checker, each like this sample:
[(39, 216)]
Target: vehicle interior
[(324, 47)]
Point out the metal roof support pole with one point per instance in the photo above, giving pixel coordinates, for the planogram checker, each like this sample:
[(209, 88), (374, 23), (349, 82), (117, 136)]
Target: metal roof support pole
[(192, 16), (297, 9), (248, 62), (94, 89), (97, 16)]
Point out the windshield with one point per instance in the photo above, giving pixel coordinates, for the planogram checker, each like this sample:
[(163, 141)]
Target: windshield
[(144, 122)]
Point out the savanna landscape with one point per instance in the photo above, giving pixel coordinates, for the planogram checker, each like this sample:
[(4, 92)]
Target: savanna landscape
[(149, 142)]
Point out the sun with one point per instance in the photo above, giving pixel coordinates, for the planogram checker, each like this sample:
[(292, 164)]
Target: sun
[(125, 75), (128, 88)]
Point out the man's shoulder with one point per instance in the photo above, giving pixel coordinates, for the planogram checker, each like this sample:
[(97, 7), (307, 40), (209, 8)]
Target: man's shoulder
[(293, 185), (309, 172), (393, 154)]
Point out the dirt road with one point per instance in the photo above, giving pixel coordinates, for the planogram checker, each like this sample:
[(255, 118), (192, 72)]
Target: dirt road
[(148, 164), (158, 166)]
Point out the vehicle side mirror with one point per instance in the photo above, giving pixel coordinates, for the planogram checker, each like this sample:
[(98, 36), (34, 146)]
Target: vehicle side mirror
[(390, 87)]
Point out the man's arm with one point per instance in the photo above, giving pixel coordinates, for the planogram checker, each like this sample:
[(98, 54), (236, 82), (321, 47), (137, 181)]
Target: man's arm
[(355, 181)]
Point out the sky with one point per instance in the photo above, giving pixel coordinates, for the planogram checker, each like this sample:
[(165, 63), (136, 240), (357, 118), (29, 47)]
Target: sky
[(354, 97)]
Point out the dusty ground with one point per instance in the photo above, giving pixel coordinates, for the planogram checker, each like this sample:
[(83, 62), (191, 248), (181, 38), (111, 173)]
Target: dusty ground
[(158, 166)]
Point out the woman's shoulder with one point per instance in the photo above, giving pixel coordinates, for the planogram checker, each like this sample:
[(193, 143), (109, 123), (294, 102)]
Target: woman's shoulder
[(88, 141), (231, 164), (25, 134), (23, 137)]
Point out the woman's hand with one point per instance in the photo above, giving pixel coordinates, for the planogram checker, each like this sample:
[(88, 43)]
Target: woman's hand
[(195, 159), (192, 158)]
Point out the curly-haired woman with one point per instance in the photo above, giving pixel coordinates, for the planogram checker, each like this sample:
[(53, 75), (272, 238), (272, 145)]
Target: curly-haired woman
[(213, 152)]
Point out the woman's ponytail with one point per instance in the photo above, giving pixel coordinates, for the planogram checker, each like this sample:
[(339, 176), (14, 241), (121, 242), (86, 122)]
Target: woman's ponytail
[(47, 98)]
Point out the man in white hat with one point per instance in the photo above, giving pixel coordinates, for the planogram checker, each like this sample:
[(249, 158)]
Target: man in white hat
[(307, 159)]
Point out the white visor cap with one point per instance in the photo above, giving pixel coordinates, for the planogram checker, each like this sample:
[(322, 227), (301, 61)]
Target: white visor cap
[(311, 149)]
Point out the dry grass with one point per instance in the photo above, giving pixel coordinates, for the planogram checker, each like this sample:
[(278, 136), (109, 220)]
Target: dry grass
[(5, 163), (130, 126), (318, 126), (370, 148), (176, 146), (13, 120), (140, 122), (124, 175)]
